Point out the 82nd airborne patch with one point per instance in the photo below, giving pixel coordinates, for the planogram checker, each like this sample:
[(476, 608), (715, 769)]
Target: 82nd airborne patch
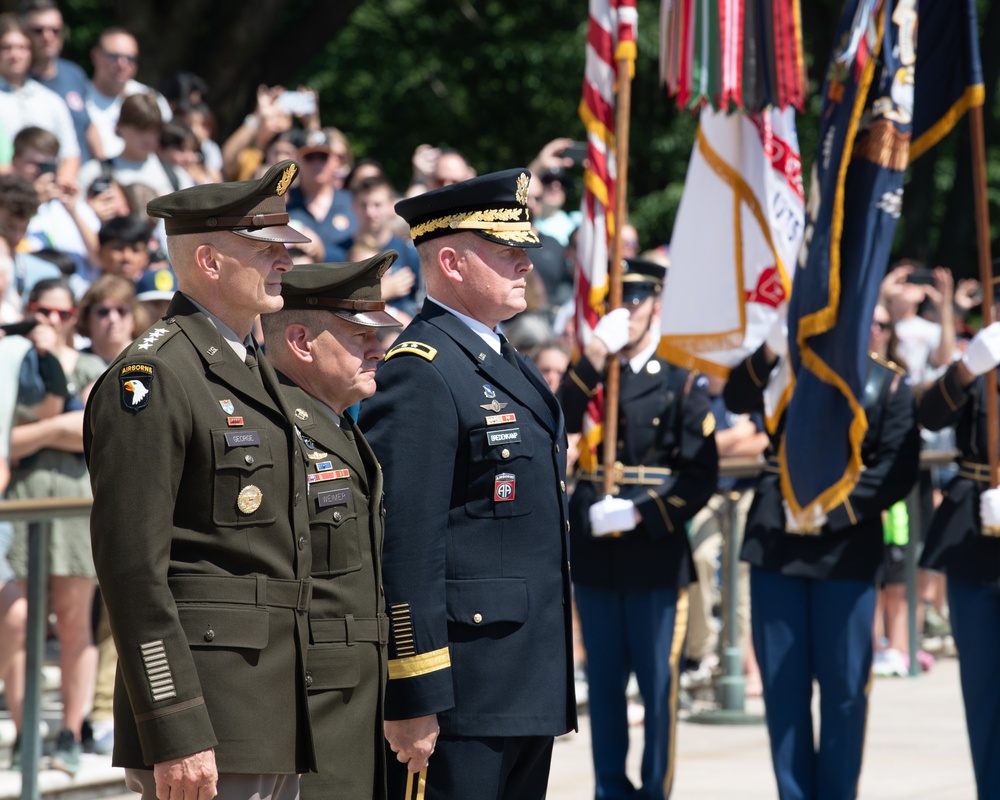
[(136, 381)]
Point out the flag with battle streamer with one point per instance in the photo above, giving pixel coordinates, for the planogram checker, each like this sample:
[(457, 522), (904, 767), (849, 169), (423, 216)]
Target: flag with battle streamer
[(611, 37), (736, 238)]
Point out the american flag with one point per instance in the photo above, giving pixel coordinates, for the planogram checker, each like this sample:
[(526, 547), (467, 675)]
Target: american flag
[(611, 36)]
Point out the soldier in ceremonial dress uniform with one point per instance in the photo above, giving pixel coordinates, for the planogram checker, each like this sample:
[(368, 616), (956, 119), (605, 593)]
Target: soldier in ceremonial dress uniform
[(199, 522), (475, 561), (812, 592), (630, 554), (324, 346), (964, 542)]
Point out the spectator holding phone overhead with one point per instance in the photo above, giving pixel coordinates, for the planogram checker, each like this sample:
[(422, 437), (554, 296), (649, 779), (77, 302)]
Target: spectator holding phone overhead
[(925, 345), (62, 221), (18, 204), (244, 150)]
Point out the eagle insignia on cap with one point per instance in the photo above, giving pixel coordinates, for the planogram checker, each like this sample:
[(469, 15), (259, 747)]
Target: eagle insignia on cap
[(286, 179), (521, 195)]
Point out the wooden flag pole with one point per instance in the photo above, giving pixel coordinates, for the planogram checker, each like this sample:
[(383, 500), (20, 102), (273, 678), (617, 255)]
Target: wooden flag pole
[(985, 278), (622, 114)]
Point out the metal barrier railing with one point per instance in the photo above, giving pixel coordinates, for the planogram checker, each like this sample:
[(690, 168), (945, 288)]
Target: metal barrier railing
[(40, 513)]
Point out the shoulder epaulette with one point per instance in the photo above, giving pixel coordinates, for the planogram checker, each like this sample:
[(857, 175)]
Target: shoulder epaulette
[(416, 348), (886, 363), (153, 338)]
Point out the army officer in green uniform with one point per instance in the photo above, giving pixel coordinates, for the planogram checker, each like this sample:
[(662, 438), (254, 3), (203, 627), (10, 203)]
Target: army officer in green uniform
[(324, 345), (199, 524)]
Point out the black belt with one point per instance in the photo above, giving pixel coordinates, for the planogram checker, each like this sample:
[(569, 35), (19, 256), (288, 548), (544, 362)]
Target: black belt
[(248, 590), (351, 629), (641, 476)]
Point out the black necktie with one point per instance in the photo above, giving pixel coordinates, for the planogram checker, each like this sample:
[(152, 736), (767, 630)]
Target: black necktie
[(508, 352), (251, 362)]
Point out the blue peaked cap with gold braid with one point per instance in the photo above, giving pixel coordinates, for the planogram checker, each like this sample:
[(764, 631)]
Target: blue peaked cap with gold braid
[(493, 206)]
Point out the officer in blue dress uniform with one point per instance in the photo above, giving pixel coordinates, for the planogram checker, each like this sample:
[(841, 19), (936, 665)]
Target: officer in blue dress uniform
[(475, 562), (324, 347), (964, 542), (630, 554), (812, 592)]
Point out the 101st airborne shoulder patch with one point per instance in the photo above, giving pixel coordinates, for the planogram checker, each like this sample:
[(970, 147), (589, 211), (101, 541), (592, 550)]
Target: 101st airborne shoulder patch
[(136, 381)]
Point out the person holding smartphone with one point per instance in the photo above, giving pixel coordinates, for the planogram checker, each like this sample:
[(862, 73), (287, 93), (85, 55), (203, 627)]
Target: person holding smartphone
[(18, 204), (63, 222)]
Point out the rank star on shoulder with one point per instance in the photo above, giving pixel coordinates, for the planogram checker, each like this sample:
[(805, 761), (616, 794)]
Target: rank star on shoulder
[(151, 337)]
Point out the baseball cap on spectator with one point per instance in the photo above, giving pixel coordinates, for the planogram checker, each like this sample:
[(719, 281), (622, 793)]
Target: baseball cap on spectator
[(316, 142), (156, 284)]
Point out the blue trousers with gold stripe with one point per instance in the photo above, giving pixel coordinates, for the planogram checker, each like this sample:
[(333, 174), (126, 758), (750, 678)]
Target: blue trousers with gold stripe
[(805, 629), (625, 632), (975, 621)]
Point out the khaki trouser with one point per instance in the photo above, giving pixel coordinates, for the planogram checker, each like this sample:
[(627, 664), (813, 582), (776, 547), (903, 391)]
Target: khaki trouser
[(707, 536)]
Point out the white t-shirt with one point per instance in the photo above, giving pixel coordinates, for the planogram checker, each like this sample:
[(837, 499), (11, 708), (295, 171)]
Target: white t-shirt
[(150, 172), (918, 338), (36, 105), (104, 112)]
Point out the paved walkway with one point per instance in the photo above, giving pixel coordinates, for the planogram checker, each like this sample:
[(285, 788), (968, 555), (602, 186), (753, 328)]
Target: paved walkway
[(917, 750)]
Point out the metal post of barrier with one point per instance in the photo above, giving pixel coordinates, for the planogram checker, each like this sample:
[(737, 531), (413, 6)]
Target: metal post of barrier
[(39, 515), (913, 542), (31, 736), (732, 684)]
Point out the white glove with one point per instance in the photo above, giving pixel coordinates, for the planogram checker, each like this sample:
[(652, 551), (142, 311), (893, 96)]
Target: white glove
[(612, 514), (777, 337), (814, 521), (983, 352), (612, 329), (989, 506)]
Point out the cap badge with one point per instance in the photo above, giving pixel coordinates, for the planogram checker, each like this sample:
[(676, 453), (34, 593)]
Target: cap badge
[(521, 195), (286, 179), (249, 499)]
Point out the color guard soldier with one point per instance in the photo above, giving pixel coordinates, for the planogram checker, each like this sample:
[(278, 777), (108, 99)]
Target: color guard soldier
[(630, 553), (199, 523), (964, 542), (324, 346), (812, 592), (476, 554)]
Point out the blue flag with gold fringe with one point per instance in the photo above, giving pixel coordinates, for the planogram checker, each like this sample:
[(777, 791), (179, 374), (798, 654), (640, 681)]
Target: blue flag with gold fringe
[(949, 76), (883, 105), (854, 204)]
